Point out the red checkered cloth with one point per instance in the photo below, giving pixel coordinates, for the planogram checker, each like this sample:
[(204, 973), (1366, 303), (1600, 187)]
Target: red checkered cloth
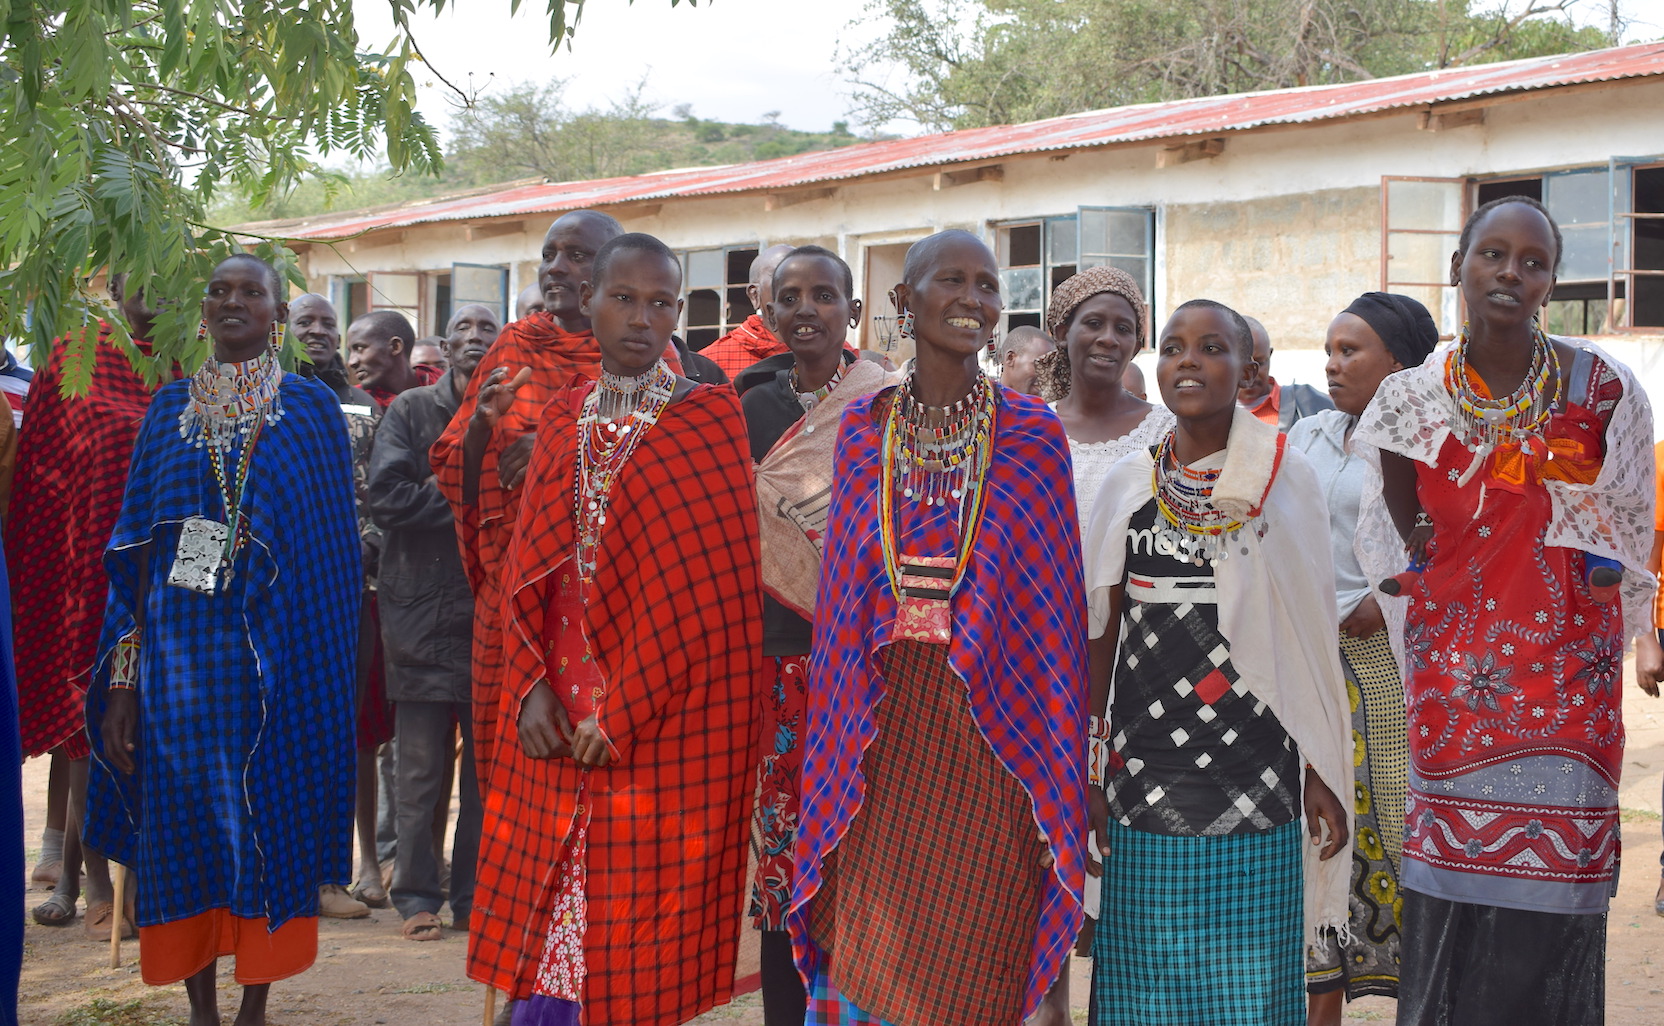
[(743, 346), (71, 470), (675, 624), (426, 374), (1018, 647), (938, 880), (485, 528)]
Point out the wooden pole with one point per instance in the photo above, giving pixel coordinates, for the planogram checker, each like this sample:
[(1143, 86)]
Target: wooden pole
[(118, 876), (490, 1005)]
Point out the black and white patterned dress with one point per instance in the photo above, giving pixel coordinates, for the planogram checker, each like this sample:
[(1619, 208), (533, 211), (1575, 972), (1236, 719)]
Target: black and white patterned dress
[(1195, 753)]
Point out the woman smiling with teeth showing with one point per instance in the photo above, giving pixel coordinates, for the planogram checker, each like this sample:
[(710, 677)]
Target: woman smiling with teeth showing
[(1218, 711), (792, 403), (940, 854)]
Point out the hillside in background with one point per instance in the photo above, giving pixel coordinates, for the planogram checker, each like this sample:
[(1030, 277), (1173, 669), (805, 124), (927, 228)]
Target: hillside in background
[(527, 132)]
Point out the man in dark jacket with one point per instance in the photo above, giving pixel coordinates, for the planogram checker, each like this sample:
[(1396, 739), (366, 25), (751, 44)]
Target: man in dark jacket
[(427, 627), (1278, 405)]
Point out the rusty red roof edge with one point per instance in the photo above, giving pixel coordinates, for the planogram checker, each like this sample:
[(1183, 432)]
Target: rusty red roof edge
[(1119, 125)]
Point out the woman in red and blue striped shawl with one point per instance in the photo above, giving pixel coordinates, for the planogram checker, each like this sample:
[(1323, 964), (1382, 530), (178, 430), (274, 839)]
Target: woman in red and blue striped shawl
[(941, 848)]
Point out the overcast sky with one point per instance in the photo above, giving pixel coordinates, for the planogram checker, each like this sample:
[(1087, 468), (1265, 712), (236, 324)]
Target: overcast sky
[(733, 60)]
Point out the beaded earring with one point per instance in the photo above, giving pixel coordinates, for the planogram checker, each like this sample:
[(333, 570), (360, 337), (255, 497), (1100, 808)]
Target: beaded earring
[(277, 335), (202, 330), (904, 324)]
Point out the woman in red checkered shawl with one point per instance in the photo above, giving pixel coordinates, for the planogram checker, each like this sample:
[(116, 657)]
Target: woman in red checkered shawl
[(612, 861), (940, 845)]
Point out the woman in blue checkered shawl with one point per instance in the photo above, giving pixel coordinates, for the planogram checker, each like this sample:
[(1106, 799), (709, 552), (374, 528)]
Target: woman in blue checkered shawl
[(222, 754)]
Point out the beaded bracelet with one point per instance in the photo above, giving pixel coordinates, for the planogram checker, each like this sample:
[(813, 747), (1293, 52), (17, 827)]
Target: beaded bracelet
[(124, 662), (1097, 750)]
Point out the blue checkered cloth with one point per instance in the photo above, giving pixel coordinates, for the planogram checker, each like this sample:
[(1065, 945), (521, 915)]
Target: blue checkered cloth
[(828, 1007), (243, 798), (1200, 930)]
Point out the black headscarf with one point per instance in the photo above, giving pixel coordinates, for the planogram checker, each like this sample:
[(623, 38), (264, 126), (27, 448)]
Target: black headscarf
[(1402, 323)]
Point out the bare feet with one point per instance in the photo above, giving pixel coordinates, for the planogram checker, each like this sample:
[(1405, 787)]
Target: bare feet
[(46, 872), (1658, 899)]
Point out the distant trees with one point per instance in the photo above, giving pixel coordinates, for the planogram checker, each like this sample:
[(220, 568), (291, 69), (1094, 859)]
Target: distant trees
[(964, 63)]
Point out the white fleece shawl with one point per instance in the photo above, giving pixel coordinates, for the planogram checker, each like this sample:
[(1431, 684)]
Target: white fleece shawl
[(1276, 611)]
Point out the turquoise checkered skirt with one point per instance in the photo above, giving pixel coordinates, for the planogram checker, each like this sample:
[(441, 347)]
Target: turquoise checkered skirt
[(1200, 930)]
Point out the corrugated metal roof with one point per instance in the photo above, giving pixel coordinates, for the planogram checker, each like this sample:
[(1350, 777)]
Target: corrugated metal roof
[(1119, 125)]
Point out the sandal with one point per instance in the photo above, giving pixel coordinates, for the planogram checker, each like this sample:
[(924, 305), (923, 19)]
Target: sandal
[(101, 919), (370, 893), (56, 910), (423, 926)]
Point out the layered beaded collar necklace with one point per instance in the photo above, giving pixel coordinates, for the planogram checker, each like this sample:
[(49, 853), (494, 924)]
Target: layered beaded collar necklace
[(228, 403), (1190, 529), (1484, 422), (228, 400), (935, 448), (934, 455), (615, 416)]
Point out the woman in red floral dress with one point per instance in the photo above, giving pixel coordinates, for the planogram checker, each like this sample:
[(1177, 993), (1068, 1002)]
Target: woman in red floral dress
[(1508, 460)]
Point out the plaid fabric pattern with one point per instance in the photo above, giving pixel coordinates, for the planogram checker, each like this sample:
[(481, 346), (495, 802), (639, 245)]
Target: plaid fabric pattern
[(426, 374), (71, 468), (244, 792), (674, 621), (485, 528), (743, 346), (942, 820), (827, 1007), (1200, 930), (1019, 645)]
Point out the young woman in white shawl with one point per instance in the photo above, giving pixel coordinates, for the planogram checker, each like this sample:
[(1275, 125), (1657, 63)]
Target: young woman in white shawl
[(1219, 716), (792, 403), (1378, 335)]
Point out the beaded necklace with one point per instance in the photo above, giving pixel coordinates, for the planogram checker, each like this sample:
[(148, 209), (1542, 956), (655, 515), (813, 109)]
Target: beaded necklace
[(935, 444), (808, 399), (955, 469), (615, 416), (1486, 423), (228, 401), (1190, 529)]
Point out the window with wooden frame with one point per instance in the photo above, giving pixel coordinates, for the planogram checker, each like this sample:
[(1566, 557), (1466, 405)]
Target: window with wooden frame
[(1611, 219)]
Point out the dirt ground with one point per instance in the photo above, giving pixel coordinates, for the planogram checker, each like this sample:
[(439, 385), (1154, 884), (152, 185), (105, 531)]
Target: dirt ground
[(367, 976)]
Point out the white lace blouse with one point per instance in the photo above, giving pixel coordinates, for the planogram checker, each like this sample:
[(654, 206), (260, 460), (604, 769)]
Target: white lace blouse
[(1092, 460)]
